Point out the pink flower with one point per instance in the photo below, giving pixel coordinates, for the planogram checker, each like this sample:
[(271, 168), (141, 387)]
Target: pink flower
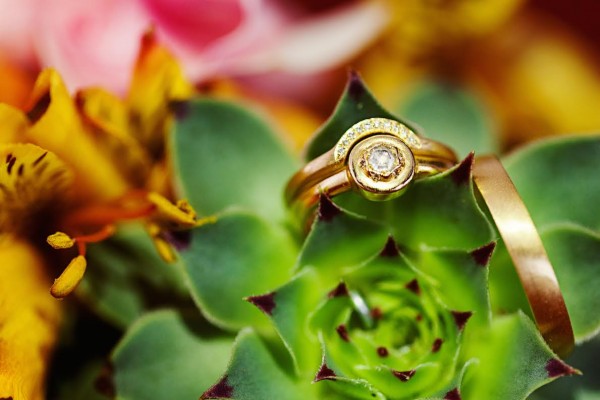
[(95, 42)]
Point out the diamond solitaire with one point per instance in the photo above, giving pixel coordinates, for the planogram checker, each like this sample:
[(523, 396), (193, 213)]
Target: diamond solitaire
[(382, 161), (381, 166)]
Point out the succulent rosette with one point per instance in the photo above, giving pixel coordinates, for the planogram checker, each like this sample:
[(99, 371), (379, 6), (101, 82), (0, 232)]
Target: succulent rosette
[(411, 298)]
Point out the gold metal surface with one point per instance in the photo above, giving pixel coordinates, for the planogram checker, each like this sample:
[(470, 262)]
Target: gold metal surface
[(527, 252), (430, 157)]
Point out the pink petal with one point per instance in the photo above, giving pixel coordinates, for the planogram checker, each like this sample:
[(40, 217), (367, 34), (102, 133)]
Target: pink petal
[(195, 23), (92, 42)]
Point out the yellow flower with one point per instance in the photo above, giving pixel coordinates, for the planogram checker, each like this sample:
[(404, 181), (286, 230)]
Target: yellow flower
[(71, 169)]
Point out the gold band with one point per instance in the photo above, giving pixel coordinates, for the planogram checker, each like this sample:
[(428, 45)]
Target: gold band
[(527, 252), (346, 165)]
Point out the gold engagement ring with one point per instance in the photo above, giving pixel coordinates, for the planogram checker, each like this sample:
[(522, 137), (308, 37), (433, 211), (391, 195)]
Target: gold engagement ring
[(379, 157)]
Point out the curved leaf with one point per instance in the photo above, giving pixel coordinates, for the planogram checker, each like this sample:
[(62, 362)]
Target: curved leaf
[(584, 387), (254, 374), (513, 359), (238, 256), (226, 156), (437, 212), (165, 355), (558, 180), (575, 255)]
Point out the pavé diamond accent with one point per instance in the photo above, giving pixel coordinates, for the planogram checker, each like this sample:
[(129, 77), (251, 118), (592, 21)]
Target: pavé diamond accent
[(370, 127)]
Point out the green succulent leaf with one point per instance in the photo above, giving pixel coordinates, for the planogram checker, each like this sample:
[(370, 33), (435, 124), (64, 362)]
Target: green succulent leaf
[(166, 355), (437, 212), (240, 255), (558, 180), (387, 327), (339, 240), (254, 374), (289, 307), (225, 155), (451, 271), (357, 103), (452, 115), (127, 277), (584, 387), (513, 360), (575, 254)]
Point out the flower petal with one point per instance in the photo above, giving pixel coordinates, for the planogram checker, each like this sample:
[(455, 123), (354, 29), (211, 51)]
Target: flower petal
[(29, 321), (31, 179), (57, 127)]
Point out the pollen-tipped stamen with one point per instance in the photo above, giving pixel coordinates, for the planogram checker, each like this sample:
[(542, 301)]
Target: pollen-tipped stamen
[(66, 283)]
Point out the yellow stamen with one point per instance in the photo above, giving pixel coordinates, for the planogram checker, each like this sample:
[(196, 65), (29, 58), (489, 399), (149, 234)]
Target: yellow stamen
[(69, 279), (104, 233), (60, 240), (177, 216), (163, 247)]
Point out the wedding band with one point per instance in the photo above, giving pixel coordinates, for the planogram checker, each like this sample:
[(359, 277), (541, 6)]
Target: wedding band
[(527, 252), (379, 157)]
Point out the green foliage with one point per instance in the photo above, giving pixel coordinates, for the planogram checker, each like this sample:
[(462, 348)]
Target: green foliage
[(451, 114), (379, 300), (225, 156), (168, 355), (238, 256), (127, 278)]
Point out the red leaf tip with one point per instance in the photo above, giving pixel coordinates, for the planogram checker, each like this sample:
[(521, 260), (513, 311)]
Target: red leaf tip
[(220, 390)]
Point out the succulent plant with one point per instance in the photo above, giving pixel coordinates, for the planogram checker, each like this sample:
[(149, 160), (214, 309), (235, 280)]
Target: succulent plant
[(413, 298)]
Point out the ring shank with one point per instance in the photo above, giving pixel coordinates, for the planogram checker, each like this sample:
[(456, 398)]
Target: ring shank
[(527, 253)]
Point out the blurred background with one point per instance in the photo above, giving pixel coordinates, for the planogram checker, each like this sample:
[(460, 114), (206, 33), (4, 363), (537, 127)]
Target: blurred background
[(516, 69), (491, 74)]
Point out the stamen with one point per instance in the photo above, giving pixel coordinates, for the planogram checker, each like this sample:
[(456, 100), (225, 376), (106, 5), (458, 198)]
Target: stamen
[(104, 233), (177, 216), (60, 240), (104, 214), (66, 283), (163, 247)]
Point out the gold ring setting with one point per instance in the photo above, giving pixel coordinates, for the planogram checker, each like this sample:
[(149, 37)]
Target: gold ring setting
[(379, 157)]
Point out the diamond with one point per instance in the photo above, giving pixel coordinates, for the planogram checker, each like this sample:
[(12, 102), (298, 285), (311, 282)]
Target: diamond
[(382, 160)]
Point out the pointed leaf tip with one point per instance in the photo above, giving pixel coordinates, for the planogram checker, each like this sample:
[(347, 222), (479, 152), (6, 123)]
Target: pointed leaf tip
[(461, 318), (404, 376), (437, 345), (376, 313), (356, 87), (413, 286), (324, 373), (338, 291), (265, 302), (390, 249), (454, 394), (327, 209), (483, 254), (382, 351), (557, 368), (180, 108), (343, 332), (105, 383), (461, 175), (220, 390)]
